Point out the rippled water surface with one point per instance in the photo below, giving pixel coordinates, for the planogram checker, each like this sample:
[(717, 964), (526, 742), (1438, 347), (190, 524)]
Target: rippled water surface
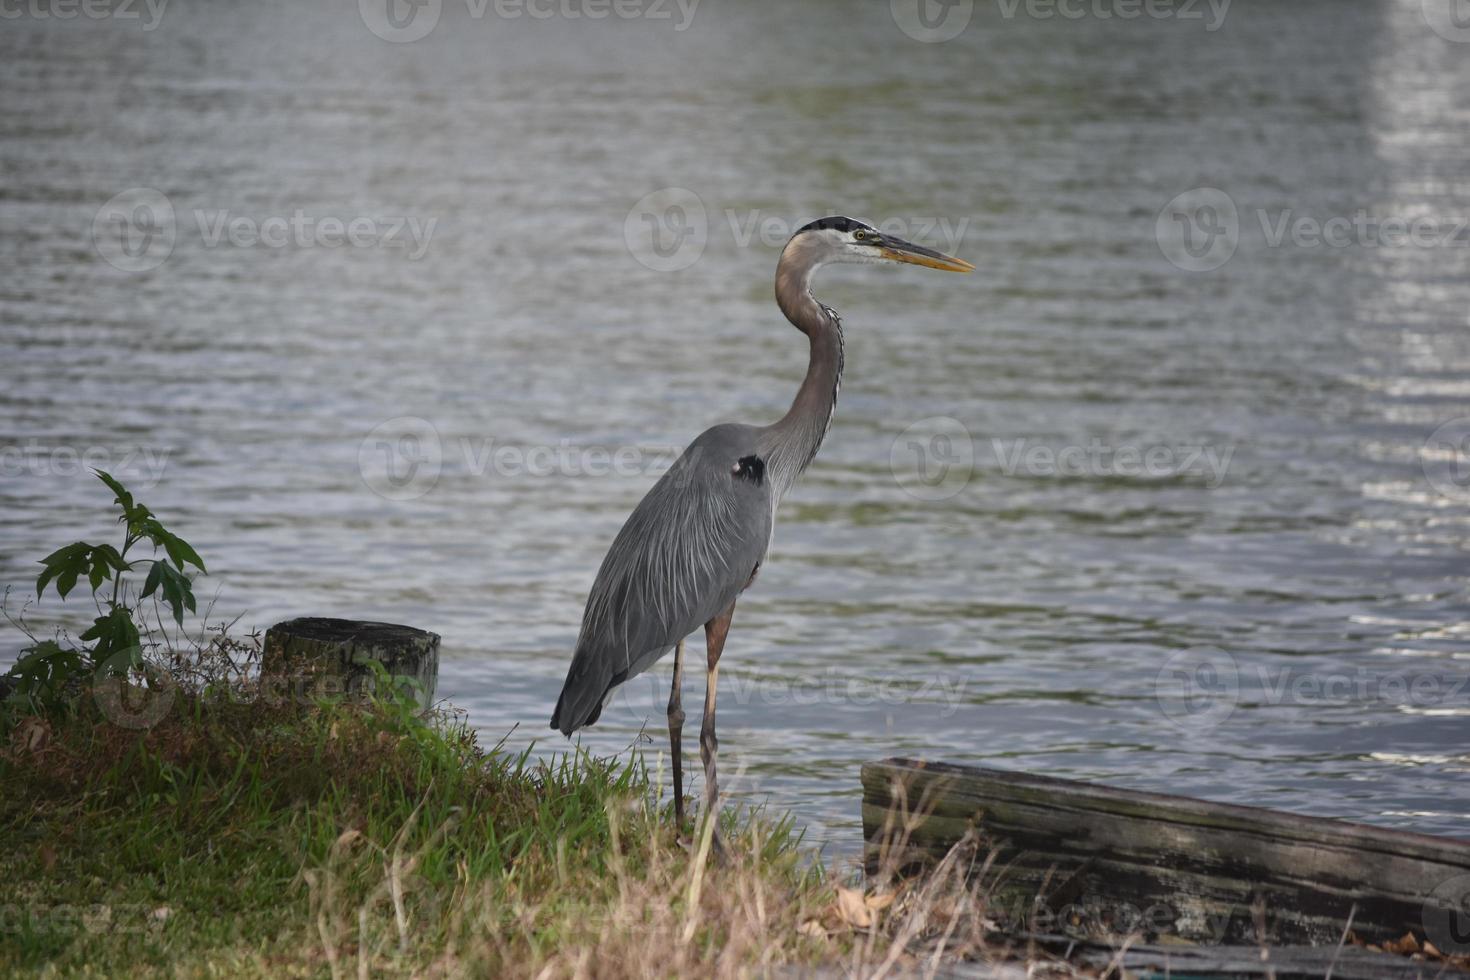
[(1147, 481)]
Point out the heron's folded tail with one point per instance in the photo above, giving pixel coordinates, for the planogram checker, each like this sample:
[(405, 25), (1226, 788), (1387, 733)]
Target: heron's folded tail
[(568, 716), (582, 696)]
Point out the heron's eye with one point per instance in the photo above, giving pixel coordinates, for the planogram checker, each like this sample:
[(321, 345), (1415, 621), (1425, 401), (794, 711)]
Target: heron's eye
[(860, 235)]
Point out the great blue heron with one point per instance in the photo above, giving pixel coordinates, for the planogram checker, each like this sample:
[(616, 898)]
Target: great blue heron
[(696, 541)]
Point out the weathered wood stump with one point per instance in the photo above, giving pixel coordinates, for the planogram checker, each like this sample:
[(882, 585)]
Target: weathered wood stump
[(1210, 873), (337, 652)]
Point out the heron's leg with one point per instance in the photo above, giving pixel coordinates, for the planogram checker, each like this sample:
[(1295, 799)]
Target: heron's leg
[(715, 632), (676, 734)]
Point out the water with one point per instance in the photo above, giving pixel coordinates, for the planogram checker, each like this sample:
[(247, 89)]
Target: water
[(1286, 559)]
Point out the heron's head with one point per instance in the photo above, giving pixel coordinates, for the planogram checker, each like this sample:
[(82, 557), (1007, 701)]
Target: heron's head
[(839, 239)]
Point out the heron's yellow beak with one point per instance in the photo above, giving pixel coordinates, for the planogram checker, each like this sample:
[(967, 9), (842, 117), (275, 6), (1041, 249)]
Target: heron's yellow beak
[(898, 250)]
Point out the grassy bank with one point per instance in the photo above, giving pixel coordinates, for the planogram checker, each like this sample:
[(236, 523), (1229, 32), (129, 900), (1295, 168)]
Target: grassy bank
[(207, 826), (204, 825), (239, 838)]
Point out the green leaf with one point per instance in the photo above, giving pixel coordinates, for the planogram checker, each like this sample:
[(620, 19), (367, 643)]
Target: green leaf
[(34, 658), (181, 551), (72, 557), (154, 575), (98, 563), (110, 555), (177, 548), (62, 554), (177, 591), (122, 497), (43, 671), (175, 600), (114, 634), (46, 576), (134, 514), (67, 580), (137, 520)]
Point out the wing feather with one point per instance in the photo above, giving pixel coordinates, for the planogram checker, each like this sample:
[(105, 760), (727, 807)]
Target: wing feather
[(682, 557)]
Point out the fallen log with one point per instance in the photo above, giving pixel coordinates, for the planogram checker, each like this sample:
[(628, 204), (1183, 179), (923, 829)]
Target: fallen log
[(1196, 962), (1093, 860)]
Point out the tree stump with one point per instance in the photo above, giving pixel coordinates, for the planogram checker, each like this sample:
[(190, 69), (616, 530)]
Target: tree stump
[(335, 654)]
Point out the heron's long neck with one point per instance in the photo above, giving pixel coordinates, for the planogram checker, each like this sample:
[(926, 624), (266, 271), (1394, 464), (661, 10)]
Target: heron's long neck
[(790, 444)]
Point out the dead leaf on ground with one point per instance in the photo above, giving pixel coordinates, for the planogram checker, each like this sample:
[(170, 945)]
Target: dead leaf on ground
[(852, 909), (878, 901), (31, 735)]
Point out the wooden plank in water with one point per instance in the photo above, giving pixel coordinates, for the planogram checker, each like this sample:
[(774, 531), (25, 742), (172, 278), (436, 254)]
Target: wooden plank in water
[(1276, 963), (1093, 859)]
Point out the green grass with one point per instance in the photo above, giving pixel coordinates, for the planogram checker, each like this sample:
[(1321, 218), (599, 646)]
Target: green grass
[(241, 838)]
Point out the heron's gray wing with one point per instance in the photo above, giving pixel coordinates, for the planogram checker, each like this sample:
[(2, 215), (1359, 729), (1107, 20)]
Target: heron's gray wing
[(682, 558)]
